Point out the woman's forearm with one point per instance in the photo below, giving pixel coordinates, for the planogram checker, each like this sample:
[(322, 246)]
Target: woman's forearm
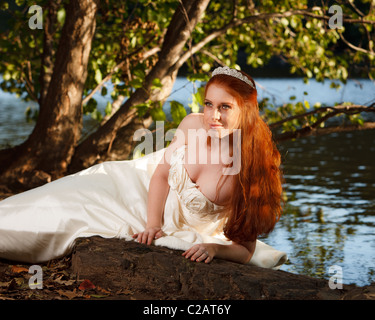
[(235, 252), (157, 195)]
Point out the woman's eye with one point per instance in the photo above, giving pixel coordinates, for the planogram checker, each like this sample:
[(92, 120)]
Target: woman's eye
[(225, 107), (207, 104)]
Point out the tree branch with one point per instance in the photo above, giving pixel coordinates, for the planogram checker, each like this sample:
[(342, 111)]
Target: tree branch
[(354, 8), (352, 46), (353, 109), (259, 16), (96, 146), (213, 57), (145, 56), (104, 80), (314, 127), (308, 131)]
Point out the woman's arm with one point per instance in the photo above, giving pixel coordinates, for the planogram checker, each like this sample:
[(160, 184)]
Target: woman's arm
[(157, 195), (240, 253), (159, 187)]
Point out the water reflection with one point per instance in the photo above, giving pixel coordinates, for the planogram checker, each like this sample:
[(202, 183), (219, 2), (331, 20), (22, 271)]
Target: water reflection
[(330, 213)]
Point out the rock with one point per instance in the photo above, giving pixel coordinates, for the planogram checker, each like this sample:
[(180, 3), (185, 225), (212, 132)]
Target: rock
[(137, 271)]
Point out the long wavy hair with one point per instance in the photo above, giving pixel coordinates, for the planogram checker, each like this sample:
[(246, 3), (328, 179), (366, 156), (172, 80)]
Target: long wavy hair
[(256, 202)]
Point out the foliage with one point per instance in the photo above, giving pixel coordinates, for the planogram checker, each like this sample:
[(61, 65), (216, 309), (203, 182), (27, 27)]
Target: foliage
[(20, 52), (129, 34)]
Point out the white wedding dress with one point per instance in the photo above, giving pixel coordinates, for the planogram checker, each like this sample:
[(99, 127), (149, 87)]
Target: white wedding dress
[(110, 200)]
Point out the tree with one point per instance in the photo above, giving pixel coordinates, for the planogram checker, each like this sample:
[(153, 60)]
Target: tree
[(141, 45), (60, 97)]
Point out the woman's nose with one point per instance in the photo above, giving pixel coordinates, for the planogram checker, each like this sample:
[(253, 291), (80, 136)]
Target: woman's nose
[(216, 114)]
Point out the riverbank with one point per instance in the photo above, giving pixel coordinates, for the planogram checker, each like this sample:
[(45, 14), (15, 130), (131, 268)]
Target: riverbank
[(114, 269)]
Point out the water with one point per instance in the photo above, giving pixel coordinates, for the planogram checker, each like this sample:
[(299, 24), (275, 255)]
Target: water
[(279, 91), (330, 213), (330, 184), (329, 218)]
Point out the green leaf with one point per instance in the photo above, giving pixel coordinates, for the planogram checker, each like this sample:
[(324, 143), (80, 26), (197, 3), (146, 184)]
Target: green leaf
[(156, 84), (6, 76), (97, 115), (61, 16), (133, 42), (31, 114), (108, 108), (20, 2), (198, 77), (206, 67), (178, 111), (141, 109), (4, 5), (136, 83), (197, 100), (90, 106), (158, 114), (98, 76)]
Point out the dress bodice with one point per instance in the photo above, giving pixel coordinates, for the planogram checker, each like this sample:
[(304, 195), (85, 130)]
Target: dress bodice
[(191, 197)]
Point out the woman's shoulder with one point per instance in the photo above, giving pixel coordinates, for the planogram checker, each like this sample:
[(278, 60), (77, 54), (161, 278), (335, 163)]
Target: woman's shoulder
[(192, 121)]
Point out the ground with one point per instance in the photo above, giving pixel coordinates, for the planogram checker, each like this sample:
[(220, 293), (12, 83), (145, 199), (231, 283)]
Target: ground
[(115, 269)]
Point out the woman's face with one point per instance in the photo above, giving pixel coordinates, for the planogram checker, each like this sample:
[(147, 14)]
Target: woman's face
[(221, 111)]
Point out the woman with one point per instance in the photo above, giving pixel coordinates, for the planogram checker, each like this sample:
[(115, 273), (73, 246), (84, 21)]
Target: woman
[(215, 207)]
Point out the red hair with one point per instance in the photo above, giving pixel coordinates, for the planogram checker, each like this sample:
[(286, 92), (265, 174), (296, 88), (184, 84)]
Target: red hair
[(255, 205)]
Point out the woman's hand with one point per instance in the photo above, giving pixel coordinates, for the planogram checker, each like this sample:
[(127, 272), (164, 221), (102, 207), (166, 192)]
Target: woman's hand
[(240, 253), (201, 252), (150, 234)]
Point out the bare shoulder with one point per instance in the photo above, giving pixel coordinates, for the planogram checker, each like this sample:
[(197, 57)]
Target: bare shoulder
[(192, 121)]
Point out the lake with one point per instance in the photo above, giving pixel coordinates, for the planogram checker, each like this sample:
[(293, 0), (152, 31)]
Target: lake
[(329, 219)]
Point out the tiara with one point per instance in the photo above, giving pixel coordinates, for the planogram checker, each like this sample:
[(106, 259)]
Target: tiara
[(233, 73)]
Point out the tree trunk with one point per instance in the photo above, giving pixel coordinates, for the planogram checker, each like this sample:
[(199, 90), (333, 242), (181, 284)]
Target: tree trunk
[(97, 147), (137, 271), (114, 269), (48, 49), (45, 155)]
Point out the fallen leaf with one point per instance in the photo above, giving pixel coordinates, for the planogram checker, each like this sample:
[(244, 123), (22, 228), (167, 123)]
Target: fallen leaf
[(102, 290), (17, 269), (59, 280), (68, 294), (98, 296), (86, 285), (125, 291), (5, 284)]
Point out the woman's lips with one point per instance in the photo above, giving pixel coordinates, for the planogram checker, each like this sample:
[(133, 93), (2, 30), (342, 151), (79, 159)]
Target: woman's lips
[(215, 126)]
